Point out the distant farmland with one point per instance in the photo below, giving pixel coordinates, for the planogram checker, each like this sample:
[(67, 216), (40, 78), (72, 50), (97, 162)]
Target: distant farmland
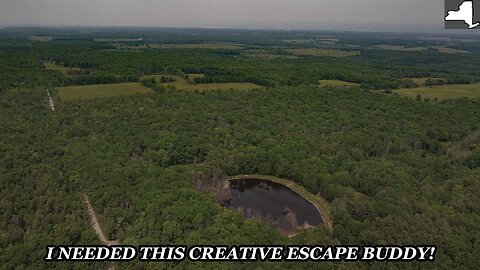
[(323, 52), (441, 49), (442, 92), (181, 84), (225, 46), (337, 83), (85, 92), (423, 81), (62, 69), (263, 54), (41, 38)]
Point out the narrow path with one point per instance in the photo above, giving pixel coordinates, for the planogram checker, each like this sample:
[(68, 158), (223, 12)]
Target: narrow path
[(96, 225), (50, 101)]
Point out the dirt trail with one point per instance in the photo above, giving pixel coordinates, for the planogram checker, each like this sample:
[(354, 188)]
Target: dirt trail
[(96, 225), (50, 101)]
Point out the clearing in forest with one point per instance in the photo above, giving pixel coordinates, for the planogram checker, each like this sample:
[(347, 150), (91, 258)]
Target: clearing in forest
[(85, 92), (263, 54), (449, 50), (422, 81), (441, 49), (187, 84), (400, 48), (320, 40), (118, 39), (323, 52), (62, 69), (193, 76), (41, 38), (225, 46), (337, 83), (442, 92)]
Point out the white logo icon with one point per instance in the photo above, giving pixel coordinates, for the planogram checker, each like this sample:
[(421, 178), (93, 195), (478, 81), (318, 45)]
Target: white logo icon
[(464, 13)]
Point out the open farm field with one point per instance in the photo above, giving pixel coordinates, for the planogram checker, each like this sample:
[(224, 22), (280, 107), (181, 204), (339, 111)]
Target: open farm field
[(182, 84), (62, 69), (117, 39), (422, 81), (442, 92), (400, 48), (449, 50), (41, 38), (262, 54), (213, 46), (337, 83), (323, 52), (441, 49), (85, 92)]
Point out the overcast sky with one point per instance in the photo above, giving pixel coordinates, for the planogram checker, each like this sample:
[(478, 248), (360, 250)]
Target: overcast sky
[(292, 14)]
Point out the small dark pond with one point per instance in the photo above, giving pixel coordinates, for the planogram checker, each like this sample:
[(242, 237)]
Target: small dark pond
[(272, 203)]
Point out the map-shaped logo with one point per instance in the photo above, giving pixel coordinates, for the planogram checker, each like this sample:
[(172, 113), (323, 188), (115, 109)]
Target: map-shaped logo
[(460, 16)]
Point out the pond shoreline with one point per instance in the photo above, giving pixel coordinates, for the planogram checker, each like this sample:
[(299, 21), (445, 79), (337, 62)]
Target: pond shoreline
[(320, 203)]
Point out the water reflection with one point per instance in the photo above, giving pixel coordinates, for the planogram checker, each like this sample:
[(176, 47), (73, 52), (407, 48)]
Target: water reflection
[(272, 203)]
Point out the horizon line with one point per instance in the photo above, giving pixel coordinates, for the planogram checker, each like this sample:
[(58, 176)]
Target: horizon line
[(398, 29)]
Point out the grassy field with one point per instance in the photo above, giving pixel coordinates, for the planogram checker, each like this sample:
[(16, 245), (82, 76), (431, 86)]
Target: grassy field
[(226, 46), (121, 47), (192, 77), (422, 81), (323, 52), (401, 48), (322, 205), (54, 66), (318, 40), (337, 83), (442, 92), (117, 39), (181, 84), (441, 49), (449, 50), (267, 55), (85, 92), (41, 38)]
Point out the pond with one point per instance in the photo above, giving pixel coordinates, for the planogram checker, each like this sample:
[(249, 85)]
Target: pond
[(272, 203)]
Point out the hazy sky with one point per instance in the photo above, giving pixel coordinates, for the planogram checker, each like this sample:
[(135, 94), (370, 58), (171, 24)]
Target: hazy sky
[(315, 14)]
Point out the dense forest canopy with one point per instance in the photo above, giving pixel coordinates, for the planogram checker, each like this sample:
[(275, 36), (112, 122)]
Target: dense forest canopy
[(394, 170)]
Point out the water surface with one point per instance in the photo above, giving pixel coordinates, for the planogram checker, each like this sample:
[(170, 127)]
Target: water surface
[(272, 203)]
